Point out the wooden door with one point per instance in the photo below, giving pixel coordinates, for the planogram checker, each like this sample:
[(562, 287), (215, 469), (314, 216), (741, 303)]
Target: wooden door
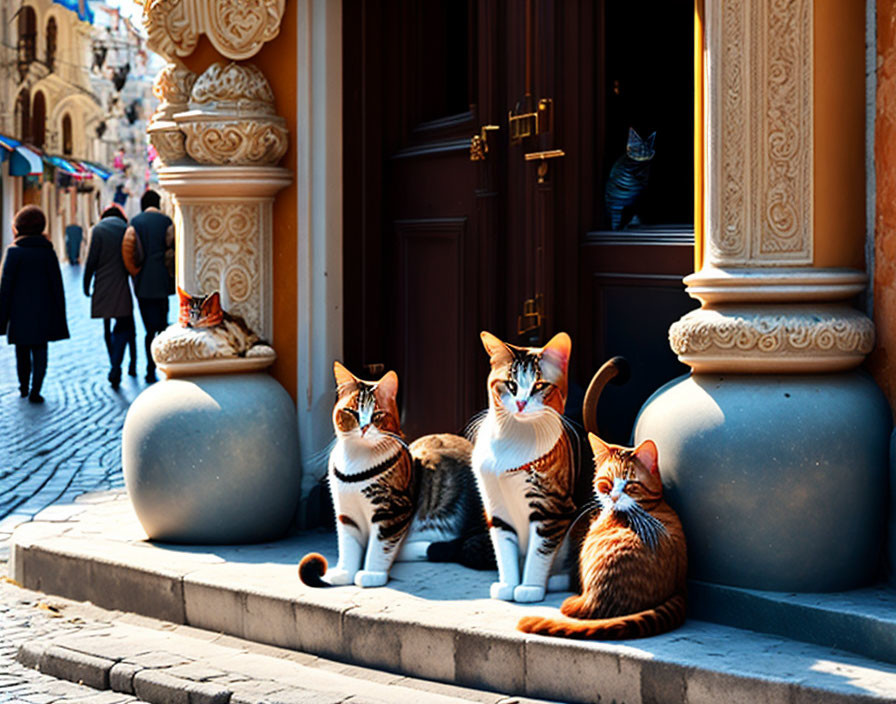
[(421, 238), (439, 247)]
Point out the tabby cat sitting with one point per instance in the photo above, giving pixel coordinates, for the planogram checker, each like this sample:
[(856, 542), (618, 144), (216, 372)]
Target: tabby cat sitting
[(633, 560), (525, 465), (391, 500)]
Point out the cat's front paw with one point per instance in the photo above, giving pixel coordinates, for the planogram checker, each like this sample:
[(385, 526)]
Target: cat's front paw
[(368, 578), (527, 593), (501, 590), (338, 577)]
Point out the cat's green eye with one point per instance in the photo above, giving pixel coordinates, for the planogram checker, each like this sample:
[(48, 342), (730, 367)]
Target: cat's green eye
[(378, 416), (510, 385), (540, 386)]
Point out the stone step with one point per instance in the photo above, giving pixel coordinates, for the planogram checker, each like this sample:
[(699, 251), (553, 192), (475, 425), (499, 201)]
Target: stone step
[(432, 622), (161, 665)]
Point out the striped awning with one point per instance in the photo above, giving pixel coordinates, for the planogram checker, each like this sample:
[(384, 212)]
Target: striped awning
[(23, 161), (100, 171), (68, 166)]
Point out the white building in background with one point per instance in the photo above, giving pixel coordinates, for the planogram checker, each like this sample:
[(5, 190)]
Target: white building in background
[(74, 85)]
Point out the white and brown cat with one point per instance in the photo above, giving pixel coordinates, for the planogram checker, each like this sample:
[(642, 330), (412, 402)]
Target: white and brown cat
[(391, 500), (525, 465)]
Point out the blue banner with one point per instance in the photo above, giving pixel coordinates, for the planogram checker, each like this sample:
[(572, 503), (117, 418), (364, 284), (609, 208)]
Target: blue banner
[(79, 7)]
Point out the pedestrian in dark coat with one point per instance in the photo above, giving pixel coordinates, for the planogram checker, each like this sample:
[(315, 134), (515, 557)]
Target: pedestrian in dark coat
[(111, 290), (32, 302), (148, 252)]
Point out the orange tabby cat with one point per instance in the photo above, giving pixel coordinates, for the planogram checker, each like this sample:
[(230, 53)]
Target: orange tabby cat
[(633, 561)]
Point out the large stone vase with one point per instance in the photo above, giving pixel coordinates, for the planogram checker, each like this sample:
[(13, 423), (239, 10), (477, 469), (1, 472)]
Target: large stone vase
[(213, 459), (780, 481)]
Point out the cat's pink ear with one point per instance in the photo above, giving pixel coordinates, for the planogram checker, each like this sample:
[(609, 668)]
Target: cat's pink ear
[(344, 378), (387, 387), (555, 355), (600, 449), (646, 452), (497, 350), (212, 304), (182, 295)]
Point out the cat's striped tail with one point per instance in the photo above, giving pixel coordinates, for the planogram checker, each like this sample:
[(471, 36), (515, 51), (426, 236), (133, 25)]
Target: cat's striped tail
[(665, 617), (617, 370), (312, 568)]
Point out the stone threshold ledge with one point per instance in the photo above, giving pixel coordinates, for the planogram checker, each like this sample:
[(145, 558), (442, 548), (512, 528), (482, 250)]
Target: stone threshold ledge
[(430, 622)]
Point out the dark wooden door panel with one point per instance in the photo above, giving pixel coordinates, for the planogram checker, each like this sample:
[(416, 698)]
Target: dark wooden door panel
[(432, 320), (631, 292)]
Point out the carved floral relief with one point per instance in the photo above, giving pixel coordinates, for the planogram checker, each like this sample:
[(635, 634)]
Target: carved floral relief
[(232, 119), (236, 28)]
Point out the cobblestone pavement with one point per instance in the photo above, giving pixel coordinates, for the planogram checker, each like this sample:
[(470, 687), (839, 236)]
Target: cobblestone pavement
[(71, 444), (49, 454)]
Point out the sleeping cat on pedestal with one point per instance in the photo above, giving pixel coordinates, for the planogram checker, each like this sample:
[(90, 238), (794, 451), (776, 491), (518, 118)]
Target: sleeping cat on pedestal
[(391, 500)]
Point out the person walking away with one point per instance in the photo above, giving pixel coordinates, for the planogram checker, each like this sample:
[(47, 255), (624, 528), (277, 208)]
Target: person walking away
[(32, 301), (111, 297), (73, 236), (148, 253)]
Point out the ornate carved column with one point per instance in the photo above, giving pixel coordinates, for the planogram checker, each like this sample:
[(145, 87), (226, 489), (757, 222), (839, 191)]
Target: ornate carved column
[(234, 474), (771, 430), (232, 137)]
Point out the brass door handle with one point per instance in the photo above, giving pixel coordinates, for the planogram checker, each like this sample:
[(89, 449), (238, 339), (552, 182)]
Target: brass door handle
[(542, 157), (479, 143)]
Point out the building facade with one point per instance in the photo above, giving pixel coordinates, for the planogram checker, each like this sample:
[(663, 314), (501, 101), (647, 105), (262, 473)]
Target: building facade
[(61, 97), (455, 167)]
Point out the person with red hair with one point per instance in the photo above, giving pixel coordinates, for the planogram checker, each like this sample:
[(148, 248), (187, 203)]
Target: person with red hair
[(32, 301)]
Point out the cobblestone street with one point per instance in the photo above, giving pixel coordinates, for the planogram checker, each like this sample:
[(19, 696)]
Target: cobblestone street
[(51, 453)]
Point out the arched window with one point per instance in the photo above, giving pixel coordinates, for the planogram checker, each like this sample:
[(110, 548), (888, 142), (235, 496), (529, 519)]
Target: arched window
[(39, 120), (27, 46), (67, 146), (51, 43), (23, 115)]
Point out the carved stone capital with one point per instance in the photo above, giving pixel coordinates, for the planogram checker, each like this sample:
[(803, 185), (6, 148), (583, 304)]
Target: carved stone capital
[(236, 28), (772, 338), (232, 120)]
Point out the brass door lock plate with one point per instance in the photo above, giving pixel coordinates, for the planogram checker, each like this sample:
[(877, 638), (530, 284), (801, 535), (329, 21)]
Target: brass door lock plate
[(529, 124)]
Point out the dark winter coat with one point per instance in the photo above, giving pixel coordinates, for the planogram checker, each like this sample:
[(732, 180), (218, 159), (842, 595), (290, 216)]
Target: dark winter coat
[(32, 303), (147, 249), (111, 289)]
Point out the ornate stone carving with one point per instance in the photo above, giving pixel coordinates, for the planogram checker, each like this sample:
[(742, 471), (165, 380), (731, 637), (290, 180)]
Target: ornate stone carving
[(172, 27), (168, 139), (760, 123), (239, 28), (236, 28), (172, 86), (232, 120), (227, 250), (246, 142), (224, 226), (772, 338)]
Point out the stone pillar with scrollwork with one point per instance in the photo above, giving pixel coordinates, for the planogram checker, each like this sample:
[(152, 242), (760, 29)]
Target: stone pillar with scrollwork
[(211, 453), (775, 428)]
